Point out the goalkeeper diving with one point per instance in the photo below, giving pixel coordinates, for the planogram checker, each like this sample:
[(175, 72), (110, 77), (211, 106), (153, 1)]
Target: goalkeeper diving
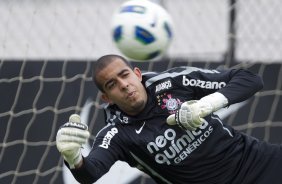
[(164, 125)]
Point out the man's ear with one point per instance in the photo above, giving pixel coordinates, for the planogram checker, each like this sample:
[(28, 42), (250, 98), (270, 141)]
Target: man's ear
[(138, 73), (106, 98)]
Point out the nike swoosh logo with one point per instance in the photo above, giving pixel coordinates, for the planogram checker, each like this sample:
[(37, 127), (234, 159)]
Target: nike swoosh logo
[(140, 129)]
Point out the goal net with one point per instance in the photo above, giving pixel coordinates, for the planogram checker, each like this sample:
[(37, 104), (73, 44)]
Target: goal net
[(47, 49)]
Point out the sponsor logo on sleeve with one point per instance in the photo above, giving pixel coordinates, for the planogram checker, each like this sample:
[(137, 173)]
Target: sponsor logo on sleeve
[(202, 83), (163, 86), (108, 137)]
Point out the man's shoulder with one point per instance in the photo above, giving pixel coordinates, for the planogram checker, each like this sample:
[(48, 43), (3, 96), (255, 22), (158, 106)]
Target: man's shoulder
[(153, 78), (148, 75)]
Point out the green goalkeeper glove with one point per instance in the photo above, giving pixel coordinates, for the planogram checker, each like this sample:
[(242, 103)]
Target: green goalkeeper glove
[(191, 113), (70, 138)]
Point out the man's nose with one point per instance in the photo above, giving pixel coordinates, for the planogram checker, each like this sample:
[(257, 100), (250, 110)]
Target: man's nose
[(123, 84)]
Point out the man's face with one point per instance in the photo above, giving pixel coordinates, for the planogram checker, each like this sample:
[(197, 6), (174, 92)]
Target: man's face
[(122, 86)]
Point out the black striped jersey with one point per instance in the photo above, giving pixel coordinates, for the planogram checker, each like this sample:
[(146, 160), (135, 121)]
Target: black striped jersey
[(213, 153)]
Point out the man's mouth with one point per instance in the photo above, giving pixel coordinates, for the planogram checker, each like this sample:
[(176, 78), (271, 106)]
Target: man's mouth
[(131, 94)]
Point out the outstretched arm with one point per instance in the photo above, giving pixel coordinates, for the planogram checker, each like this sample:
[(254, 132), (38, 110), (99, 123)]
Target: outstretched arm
[(241, 85), (191, 113)]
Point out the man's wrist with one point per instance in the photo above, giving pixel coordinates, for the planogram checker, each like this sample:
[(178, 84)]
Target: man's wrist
[(216, 100), (73, 158), (79, 164)]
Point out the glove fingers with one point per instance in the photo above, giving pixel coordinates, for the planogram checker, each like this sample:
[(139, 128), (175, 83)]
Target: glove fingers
[(189, 127), (70, 146), (190, 114), (193, 126), (74, 132), (70, 139), (187, 119), (184, 115)]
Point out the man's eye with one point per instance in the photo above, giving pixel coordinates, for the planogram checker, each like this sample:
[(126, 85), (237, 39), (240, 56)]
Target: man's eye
[(111, 85), (125, 74)]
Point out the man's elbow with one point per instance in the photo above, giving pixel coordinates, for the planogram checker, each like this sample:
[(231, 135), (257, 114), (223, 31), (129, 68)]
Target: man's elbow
[(259, 83)]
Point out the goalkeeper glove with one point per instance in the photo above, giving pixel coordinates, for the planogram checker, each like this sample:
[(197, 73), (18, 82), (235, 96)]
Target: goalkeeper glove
[(70, 138), (191, 113)]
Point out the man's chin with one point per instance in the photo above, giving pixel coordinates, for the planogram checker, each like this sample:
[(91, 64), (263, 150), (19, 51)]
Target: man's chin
[(138, 106)]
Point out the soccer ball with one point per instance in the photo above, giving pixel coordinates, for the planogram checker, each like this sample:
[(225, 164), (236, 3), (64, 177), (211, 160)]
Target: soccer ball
[(142, 30)]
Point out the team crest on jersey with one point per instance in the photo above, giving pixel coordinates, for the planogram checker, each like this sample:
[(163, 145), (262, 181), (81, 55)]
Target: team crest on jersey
[(167, 101)]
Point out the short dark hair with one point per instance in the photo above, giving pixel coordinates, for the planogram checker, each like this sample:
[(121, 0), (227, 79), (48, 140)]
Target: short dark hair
[(101, 63)]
